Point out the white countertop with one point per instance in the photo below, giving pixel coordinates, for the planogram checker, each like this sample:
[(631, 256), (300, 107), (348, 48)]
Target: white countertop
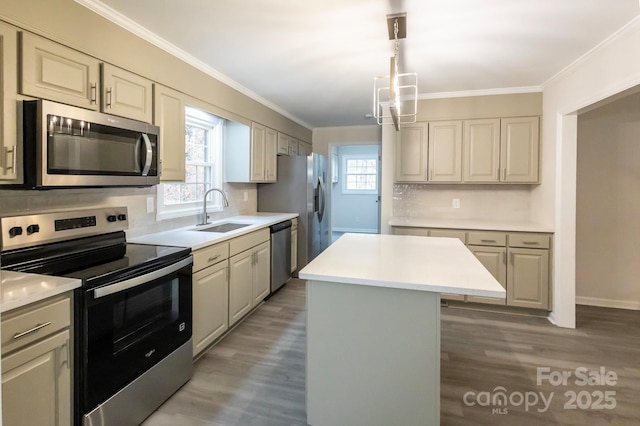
[(489, 225), (191, 237), (442, 265), (20, 289)]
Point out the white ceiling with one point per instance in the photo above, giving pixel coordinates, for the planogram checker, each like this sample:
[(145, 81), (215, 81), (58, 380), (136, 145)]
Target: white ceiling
[(316, 60)]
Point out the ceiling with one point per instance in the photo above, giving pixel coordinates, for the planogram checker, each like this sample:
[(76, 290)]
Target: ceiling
[(315, 60)]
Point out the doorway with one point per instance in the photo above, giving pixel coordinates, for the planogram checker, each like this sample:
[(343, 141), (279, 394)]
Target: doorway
[(355, 189)]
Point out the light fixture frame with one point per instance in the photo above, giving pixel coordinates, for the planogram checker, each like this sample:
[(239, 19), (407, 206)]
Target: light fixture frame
[(395, 96)]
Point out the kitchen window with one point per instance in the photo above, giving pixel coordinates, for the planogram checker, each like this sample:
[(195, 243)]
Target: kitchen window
[(360, 174), (203, 168)]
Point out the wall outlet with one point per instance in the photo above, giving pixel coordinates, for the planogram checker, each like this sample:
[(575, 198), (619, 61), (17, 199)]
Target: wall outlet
[(151, 204), (456, 203)]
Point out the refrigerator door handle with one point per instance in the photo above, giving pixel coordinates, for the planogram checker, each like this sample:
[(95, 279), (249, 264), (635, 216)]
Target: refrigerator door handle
[(322, 199)]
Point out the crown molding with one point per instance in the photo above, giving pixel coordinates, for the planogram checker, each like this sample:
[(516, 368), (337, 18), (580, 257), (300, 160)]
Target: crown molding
[(633, 25), (135, 28), (481, 92)]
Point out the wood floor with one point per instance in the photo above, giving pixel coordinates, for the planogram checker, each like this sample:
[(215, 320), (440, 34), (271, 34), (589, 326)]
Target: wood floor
[(256, 375)]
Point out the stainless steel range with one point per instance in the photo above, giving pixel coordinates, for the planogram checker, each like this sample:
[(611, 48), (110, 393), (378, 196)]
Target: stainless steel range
[(132, 315)]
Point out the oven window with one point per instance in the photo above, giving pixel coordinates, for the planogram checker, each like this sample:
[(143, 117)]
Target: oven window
[(136, 316)]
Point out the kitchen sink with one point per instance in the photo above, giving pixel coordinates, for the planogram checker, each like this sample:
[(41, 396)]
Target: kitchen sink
[(224, 227)]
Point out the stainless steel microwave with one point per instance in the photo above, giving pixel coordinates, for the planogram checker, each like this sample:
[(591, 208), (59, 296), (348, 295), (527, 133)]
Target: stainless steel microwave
[(66, 147)]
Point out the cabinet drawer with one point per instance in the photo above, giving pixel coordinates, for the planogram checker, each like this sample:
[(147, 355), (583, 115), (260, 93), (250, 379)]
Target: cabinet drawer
[(449, 233), (487, 239), (29, 324), (529, 240), (405, 230), (245, 242), (210, 256)]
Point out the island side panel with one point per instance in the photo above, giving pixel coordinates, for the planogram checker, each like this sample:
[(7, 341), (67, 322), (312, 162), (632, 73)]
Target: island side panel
[(373, 355)]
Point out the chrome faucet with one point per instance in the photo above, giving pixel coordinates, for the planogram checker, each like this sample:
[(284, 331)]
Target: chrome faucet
[(205, 216)]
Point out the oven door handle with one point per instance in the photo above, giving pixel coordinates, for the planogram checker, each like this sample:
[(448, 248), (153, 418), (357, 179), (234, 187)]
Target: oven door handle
[(142, 279)]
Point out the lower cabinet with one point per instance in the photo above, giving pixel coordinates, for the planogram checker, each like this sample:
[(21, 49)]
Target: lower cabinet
[(36, 372), (519, 262), (210, 305), (249, 280)]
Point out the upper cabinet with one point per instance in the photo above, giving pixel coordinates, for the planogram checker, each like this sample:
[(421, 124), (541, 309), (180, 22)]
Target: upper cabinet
[(52, 71), (58, 73), (304, 148), (169, 115), (519, 149), (470, 151), (250, 153), (9, 149), (481, 148), (126, 94), (445, 151), (411, 153)]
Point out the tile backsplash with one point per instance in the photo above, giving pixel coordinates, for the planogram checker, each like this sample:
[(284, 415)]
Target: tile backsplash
[(496, 202), (140, 222)]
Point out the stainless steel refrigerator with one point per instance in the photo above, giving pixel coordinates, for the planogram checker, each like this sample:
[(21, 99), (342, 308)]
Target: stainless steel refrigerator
[(301, 189)]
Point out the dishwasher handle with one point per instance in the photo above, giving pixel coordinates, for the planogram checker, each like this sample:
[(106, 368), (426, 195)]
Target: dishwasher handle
[(280, 226)]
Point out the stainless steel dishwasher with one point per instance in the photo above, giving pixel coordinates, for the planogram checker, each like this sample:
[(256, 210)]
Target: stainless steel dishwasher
[(280, 254)]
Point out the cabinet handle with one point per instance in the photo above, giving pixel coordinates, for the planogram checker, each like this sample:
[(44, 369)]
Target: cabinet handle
[(108, 105), (32, 330), (511, 258), (532, 243), (9, 165), (488, 241), (504, 174), (212, 258), (94, 92), (504, 257)]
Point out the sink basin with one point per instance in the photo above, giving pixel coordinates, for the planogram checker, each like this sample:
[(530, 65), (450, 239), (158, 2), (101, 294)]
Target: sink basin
[(224, 227)]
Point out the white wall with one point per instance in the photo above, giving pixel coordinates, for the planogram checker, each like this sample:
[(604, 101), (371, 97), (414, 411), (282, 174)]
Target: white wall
[(608, 205), (612, 67)]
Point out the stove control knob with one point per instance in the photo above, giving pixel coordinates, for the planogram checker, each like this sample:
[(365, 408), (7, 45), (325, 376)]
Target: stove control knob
[(122, 217), (111, 218), (15, 231), (32, 229)]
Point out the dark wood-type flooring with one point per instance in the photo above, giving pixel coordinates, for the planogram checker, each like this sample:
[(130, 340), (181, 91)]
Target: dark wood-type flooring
[(256, 375)]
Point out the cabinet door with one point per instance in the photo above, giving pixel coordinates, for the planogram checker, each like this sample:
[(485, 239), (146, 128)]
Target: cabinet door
[(519, 149), (293, 146), (126, 94), (528, 278), (257, 160), (36, 383), (169, 115), (262, 272), (304, 148), (283, 144), (445, 151), (495, 260), (271, 155), (210, 305), (52, 71), (240, 285), (481, 151), (411, 154), (294, 250), (9, 148)]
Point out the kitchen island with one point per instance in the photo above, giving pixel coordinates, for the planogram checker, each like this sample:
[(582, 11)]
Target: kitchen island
[(373, 326)]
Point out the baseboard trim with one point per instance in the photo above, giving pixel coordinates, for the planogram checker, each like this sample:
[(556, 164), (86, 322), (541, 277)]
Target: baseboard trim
[(608, 303)]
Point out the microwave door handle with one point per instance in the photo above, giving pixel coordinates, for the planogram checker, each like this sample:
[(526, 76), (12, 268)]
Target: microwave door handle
[(142, 279), (149, 156)]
